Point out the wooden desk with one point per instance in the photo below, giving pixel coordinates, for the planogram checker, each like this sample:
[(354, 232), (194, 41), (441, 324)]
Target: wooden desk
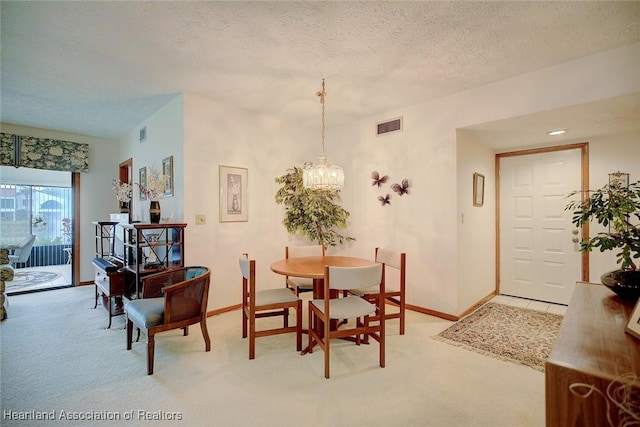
[(313, 268), (592, 362)]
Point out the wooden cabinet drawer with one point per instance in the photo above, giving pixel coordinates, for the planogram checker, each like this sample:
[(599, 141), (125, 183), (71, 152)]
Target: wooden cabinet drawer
[(109, 285)]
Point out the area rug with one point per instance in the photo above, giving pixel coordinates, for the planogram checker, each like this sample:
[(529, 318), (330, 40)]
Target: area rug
[(506, 332), (26, 279)]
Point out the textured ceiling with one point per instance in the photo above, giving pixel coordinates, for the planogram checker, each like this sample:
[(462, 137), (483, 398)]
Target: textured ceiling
[(100, 68)]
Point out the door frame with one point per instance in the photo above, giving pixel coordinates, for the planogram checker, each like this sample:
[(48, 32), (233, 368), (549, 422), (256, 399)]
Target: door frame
[(584, 154), (125, 174), (75, 232)]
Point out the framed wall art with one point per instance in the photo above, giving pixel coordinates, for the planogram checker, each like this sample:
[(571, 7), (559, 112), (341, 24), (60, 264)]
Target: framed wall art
[(633, 327), (142, 182), (167, 170), (478, 189), (233, 194), (619, 179)]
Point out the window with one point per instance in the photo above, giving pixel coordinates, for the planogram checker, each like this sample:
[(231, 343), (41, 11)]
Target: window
[(46, 212)]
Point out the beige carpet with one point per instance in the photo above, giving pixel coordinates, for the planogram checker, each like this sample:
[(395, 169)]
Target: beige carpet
[(57, 356), (511, 333)]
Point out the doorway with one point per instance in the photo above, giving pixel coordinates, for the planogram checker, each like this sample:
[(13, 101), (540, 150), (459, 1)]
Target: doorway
[(41, 204), (538, 246)]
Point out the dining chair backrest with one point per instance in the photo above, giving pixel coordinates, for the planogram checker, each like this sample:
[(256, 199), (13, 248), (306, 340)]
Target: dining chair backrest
[(303, 251), (395, 287), (354, 277), (390, 258), (245, 267)]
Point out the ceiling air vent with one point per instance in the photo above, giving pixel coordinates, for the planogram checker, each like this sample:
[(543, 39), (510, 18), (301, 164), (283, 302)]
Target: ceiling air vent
[(389, 126)]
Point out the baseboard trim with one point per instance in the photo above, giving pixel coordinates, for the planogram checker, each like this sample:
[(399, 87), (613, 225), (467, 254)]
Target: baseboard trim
[(448, 316), (430, 312)]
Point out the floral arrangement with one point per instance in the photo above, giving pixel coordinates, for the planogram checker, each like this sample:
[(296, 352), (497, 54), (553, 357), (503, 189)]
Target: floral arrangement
[(122, 190), (156, 185)]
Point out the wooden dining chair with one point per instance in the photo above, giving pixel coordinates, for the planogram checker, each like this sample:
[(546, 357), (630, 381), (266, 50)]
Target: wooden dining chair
[(301, 284), (332, 307), (394, 294), (266, 303)]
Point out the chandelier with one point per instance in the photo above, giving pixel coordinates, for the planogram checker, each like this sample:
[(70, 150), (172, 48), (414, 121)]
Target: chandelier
[(322, 176)]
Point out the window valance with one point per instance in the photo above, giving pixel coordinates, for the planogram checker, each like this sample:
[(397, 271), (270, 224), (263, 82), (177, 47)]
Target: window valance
[(43, 153)]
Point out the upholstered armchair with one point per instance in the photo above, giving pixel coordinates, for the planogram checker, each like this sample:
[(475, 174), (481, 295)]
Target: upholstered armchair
[(171, 299)]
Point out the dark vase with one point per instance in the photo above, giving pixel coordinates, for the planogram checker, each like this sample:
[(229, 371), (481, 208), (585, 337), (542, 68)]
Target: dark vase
[(154, 212), (124, 207), (625, 283)]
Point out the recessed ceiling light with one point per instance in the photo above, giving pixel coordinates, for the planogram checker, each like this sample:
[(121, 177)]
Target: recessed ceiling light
[(556, 132)]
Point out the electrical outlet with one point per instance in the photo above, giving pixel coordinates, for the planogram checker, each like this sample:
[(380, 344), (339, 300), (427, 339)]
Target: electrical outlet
[(201, 219)]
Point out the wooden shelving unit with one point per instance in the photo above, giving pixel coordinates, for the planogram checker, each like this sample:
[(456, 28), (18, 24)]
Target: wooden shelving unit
[(150, 248)]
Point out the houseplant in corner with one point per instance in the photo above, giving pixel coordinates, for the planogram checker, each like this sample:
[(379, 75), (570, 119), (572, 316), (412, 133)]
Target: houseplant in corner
[(616, 206), (312, 213)]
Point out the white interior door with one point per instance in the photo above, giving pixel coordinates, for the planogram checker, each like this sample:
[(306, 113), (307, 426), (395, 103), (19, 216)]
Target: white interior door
[(538, 257)]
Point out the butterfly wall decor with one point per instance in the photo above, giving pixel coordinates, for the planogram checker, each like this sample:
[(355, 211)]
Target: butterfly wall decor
[(401, 188), (377, 179), (386, 200)]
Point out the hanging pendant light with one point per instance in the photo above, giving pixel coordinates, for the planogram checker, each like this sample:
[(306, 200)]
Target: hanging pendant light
[(321, 176)]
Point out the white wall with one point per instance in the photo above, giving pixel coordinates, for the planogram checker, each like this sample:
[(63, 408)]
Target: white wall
[(96, 194), (425, 225), (215, 135), (607, 154), (476, 225), (164, 139), (422, 223)]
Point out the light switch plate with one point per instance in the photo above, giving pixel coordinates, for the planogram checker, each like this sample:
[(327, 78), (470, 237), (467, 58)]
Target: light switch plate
[(201, 219)]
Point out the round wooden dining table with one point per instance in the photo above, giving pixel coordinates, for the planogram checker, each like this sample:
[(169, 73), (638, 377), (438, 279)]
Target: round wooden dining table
[(313, 268)]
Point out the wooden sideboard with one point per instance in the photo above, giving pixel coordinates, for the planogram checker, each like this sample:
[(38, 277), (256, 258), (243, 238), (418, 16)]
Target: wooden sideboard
[(594, 368)]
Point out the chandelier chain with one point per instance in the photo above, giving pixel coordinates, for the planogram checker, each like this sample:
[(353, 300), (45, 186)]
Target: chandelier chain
[(322, 176), (322, 94)]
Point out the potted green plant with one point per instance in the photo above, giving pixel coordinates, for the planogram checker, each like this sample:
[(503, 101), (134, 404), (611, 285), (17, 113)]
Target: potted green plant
[(311, 213), (616, 206)]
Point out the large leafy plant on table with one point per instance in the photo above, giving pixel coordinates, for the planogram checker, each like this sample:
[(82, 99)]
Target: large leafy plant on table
[(314, 214), (617, 207)]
